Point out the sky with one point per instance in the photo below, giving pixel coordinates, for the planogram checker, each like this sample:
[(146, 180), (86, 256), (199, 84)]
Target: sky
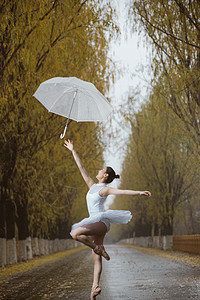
[(133, 58)]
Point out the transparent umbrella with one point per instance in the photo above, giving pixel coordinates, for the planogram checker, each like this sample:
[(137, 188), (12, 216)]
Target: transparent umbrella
[(74, 99)]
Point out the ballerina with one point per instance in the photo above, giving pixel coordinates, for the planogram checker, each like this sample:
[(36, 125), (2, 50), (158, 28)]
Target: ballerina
[(92, 230)]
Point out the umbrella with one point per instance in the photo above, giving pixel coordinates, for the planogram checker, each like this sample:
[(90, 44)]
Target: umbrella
[(74, 99)]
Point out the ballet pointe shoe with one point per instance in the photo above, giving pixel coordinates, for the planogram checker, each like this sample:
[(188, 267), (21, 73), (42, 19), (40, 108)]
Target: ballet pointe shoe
[(100, 250), (104, 253), (95, 292)]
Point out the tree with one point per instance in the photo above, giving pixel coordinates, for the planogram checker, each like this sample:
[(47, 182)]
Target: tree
[(161, 158), (39, 40), (173, 29)]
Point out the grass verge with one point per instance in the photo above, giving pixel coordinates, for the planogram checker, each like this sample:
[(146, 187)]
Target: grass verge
[(178, 256), (35, 262)]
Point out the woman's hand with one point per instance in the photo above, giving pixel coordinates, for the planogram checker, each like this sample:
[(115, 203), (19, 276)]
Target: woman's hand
[(69, 145), (145, 193)]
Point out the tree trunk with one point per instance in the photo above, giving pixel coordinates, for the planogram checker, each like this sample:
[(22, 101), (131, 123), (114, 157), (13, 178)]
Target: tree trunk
[(22, 220), (7, 209), (23, 232), (167, 228), (2, 218), (2, 252), (153, 229), (10, 219), (192, 223), (11, 251)]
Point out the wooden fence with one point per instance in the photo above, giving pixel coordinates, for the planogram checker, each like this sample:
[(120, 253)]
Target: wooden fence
[(187, 243)]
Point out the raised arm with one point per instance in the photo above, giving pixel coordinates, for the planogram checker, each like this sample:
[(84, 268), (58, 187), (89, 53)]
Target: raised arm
[(89, 181), (111, 191)]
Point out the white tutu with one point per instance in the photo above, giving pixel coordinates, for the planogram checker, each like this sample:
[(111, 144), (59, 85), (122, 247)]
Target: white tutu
[(112, 216), (95, 204)]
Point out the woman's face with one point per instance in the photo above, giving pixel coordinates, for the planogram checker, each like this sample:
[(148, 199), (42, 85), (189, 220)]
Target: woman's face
[(101, 174)]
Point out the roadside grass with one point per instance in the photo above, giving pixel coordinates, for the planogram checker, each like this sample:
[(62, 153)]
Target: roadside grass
[(35, 262), (187, 258)]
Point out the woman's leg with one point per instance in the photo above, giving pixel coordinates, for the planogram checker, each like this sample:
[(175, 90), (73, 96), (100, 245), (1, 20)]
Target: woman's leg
[(83, 234), (98, 240)]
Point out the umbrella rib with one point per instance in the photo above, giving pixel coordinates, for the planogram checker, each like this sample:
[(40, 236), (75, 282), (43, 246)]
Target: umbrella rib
[(58, 99), (84, 91), (87, 92), (96, 102), (96, 91), (75, 93)]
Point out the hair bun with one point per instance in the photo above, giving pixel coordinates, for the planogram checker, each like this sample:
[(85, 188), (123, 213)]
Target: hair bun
[(117, 176)]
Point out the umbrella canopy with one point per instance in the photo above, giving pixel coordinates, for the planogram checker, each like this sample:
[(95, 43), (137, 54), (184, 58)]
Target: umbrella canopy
[(74, 99)]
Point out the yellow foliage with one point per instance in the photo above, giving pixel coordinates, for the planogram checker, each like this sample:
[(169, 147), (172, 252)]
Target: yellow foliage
[(40, 40), (161, 157)]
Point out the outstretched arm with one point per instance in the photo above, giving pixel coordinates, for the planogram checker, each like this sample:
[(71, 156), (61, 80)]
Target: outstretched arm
[(89, 181), (110, 191)]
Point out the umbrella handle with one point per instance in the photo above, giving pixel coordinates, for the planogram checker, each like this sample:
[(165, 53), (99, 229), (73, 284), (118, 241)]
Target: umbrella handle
[(63, 134)]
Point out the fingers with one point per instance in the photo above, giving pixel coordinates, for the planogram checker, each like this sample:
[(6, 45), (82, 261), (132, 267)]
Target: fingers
[(148, 193), (68, 144)]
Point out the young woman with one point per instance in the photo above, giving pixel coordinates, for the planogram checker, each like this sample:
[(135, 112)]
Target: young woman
[(91, 231)]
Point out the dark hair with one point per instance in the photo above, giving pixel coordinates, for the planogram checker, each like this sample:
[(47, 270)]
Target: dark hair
[(111, 175)]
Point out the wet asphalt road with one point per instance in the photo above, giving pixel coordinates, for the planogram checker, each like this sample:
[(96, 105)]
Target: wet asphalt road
[(130, 274)]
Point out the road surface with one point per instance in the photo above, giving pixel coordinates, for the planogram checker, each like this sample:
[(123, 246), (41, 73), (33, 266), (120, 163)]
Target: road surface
[(130, 274)]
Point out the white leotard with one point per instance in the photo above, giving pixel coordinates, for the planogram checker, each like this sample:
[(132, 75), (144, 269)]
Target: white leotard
[(95, 205)]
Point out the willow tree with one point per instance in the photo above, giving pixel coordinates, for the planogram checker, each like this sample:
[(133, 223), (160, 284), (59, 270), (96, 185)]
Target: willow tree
[(39, 40), (174, 31), (161, 158)]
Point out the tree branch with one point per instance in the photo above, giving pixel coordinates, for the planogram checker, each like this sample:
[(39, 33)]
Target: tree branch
[(186, 13), (18, 47), (169, 34)]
